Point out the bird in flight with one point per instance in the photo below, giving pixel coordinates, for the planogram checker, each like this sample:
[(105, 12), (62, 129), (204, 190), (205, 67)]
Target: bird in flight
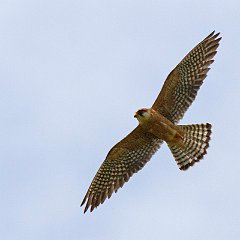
[(188, 143)]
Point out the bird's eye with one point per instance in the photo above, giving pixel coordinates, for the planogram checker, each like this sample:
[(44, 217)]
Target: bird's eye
[(140, 112)]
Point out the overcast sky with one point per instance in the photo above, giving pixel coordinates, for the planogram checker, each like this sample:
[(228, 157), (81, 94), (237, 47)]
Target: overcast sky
[(72, 73)]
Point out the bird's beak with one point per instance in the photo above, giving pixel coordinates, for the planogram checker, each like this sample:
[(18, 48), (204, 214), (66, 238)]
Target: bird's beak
[(135, 114)]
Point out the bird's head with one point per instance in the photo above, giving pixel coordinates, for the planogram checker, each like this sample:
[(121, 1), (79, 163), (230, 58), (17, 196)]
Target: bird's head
[(143, 115)]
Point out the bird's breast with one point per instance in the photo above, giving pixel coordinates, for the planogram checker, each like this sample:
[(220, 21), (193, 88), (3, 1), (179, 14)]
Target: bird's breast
[(163, 128)]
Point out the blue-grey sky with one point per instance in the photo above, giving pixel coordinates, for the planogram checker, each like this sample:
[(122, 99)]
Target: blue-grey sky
[(72, 73)]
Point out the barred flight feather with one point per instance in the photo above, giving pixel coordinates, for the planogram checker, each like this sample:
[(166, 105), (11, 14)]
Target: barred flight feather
[(182, 84), (120, 164)]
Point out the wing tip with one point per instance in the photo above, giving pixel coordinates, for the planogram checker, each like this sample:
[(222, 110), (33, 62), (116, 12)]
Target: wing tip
[(93, 200), (213, 36)]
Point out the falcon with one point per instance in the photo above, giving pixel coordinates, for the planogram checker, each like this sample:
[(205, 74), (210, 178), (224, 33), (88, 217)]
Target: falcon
[(188, 143)]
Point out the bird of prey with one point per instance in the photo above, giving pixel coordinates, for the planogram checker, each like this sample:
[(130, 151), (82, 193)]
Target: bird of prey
[(188, 143)]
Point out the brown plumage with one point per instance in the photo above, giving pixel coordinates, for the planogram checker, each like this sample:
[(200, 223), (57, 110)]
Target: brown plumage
[(188, 143), (182, 84)]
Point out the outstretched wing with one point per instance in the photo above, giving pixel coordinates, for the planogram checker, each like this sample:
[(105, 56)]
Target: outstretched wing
[(181, 86), (126, 158)]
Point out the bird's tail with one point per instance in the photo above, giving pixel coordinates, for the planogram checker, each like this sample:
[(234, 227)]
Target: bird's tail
[(193, 145)]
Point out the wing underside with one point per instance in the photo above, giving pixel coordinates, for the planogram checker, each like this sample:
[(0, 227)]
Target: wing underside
[(181, 86), (123, 160)]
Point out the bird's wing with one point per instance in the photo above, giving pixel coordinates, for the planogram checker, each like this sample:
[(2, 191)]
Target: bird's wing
[(182, 84), (126, 158)]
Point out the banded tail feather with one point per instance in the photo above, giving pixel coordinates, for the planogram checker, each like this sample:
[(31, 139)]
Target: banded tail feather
[(195, 142)]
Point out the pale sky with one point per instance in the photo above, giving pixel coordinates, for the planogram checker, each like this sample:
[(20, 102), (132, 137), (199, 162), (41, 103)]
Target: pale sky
[(72, 73)]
